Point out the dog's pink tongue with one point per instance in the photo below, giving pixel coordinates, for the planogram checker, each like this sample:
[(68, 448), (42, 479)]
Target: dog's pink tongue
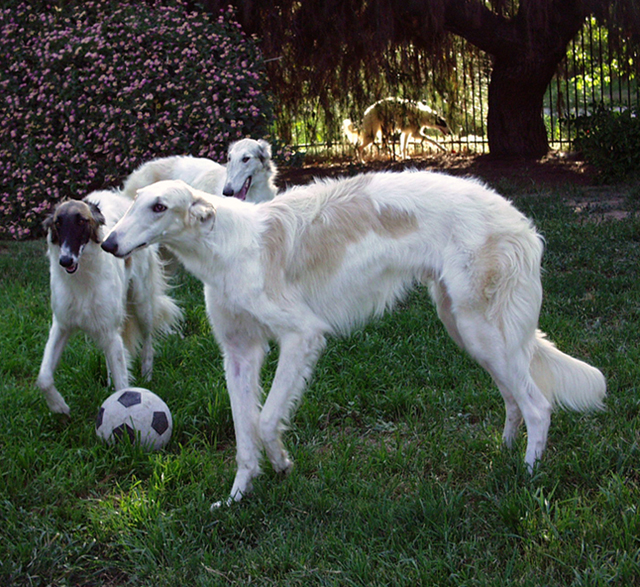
[(242, 194), (71, 269)]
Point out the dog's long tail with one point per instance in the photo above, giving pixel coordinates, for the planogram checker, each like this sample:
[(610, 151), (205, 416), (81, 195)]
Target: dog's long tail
[(566, 381)]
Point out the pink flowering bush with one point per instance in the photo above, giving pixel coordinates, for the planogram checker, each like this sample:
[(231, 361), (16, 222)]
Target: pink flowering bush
[(89, 93)]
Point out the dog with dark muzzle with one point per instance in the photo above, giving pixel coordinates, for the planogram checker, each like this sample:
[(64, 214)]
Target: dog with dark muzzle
[(120, 304)]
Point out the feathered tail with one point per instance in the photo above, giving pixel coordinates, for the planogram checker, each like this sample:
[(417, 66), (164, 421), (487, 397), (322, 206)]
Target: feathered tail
[(566, 381)]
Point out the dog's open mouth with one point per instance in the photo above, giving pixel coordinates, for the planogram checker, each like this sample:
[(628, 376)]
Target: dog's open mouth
[(71, 269), (242, 194)]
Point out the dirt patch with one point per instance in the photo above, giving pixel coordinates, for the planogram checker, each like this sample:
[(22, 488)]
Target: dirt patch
[(553, 171)]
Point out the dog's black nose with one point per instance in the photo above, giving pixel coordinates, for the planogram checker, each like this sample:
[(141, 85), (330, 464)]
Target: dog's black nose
[(228, 191), (110, 245), (65, 261)]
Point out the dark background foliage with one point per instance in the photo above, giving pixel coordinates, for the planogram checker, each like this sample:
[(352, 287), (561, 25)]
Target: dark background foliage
[(93, 90)]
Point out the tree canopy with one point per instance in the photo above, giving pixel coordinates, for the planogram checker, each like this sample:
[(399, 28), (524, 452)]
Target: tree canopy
[(346, 52)]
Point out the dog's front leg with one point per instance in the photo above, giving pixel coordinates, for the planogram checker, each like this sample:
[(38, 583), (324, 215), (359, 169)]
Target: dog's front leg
[(242, 365), (52, 353), (299, 354), (146, 357), (117, 363)]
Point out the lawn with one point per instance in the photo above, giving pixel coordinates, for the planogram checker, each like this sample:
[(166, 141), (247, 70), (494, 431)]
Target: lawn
[(400, 476)]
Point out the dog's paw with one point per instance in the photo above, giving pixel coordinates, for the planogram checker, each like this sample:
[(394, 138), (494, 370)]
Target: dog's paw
[(284, 466), (216, 505), (56, 403)]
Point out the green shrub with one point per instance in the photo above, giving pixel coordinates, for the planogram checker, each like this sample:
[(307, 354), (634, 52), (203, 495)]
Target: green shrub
[(610, 141), (90, 93)]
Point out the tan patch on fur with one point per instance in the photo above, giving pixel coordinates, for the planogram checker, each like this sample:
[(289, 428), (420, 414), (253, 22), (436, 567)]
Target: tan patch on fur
[(275, 239), (396, 223), (490, 265), (70, 207), (324, 228)]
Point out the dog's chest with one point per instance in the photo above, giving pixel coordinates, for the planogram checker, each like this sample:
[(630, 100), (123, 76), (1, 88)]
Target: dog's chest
[(89, 298)]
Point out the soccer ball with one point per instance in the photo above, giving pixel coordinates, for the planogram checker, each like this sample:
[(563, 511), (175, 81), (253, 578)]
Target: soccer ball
[(138, 413)]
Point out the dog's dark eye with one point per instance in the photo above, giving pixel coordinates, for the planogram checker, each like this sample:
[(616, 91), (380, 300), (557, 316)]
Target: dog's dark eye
[(158, 208), (245, 159)]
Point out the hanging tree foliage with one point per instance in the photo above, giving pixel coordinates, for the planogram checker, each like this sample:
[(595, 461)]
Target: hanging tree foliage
[(344, 52)]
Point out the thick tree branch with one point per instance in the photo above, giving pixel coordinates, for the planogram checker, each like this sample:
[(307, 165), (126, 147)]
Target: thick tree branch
[(474, 21)]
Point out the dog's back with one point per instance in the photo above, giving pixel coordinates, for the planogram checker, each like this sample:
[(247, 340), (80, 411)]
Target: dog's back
[(200, 173), (359, 244)]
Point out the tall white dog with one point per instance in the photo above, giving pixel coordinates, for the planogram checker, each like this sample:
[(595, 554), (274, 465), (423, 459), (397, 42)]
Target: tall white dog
[(198, 172), (320, 259), (249, 174), (119, 304), (250, 171)]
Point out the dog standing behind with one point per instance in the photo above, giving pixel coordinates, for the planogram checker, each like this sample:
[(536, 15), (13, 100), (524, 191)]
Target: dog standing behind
[(119, 304), (324, 258), (249, 174), (199, 172), (251, 171)]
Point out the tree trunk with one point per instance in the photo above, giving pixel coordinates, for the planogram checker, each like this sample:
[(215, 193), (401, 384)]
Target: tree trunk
[(515, 123), (526, 50)]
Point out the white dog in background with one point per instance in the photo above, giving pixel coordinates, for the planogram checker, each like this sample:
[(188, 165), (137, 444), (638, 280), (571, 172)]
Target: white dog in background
[(321, 259), (119, 304), (249, 174), (390, 115), (198, 172)]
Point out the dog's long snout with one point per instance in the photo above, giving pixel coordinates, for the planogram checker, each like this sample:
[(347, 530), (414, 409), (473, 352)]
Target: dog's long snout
[(110, 244)]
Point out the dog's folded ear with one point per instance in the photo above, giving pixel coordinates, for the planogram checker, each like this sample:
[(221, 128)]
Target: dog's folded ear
[(264, 152), (98, 220), (96, 213), (50, 227), (202, 213), (47, 223)]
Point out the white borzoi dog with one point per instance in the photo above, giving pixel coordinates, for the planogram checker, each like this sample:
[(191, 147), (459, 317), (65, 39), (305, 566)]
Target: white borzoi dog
[(198, 172), (390, 115), (250, 171), (119, 304), (320, 259), (249, 174)]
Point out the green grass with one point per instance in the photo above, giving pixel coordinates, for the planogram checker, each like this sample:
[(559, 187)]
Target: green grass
[(400, 477)]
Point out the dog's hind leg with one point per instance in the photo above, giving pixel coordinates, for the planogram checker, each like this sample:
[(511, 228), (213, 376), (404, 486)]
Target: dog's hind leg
[(510, 369), (52, 354), (298, 357), (513, 418), (443, 304)]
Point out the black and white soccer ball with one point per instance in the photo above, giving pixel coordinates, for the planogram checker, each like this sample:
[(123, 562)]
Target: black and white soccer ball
[(137, 413)]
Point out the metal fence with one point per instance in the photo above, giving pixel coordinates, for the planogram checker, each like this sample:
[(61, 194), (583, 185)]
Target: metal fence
[(595, 71)]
